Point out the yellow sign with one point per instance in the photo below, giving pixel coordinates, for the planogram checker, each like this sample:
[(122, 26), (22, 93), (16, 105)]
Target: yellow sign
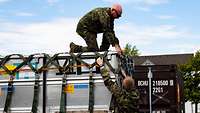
[(9, 67), (69, 88), (4, 73)]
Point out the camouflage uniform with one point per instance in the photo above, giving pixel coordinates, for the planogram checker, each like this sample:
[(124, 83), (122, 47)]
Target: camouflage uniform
[(126, 101), (94, 22)]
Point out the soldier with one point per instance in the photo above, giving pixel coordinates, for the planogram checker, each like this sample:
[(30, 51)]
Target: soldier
[(126, 99), (99, 20)]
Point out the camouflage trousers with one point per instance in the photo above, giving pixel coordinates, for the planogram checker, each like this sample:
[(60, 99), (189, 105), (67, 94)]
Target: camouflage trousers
[(91, 41)]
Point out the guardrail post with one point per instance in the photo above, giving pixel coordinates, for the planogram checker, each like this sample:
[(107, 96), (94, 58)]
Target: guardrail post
[(150, 75)]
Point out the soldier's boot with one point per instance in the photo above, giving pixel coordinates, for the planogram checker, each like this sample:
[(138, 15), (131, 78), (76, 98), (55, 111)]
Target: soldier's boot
[(75, 48)]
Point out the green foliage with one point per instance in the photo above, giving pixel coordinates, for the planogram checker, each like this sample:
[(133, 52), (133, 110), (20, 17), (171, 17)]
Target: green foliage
[(191, 76), (130, 50)]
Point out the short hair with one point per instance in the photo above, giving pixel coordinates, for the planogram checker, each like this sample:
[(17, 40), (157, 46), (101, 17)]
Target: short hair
[(128, 83)]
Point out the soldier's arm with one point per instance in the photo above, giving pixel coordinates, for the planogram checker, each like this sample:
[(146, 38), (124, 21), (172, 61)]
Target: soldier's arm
[(112, 86)]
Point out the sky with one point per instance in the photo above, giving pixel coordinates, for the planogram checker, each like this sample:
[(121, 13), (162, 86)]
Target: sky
[(155, 27)]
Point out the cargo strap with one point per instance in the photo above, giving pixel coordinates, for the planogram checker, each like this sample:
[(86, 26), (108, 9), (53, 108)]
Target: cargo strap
[(36, 86), (50, 61), (77, 57), (91, 92), (63, 99), (10, 85), (8, 97), (36, 94), (106, 61), (91, 81), (116, 72), (12, 76)]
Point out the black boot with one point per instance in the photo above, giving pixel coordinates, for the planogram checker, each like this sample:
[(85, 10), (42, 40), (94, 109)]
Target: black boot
[(75, 48)]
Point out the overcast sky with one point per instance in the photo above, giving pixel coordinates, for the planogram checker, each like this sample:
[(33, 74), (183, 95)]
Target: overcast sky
[(153, 26)]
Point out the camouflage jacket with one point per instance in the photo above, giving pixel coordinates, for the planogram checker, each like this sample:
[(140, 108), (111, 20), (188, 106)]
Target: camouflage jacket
[(125, 101), (98, 21)]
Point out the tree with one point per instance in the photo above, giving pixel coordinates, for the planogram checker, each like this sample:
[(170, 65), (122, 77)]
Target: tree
[(191, 76), (130, 50)]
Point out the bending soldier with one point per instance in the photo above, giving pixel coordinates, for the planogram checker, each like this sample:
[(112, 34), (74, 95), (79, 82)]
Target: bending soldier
[(99, 20), (126, 99)]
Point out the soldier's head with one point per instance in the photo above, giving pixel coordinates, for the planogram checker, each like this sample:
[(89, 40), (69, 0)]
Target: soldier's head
[(116, 11), (128, 83)]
